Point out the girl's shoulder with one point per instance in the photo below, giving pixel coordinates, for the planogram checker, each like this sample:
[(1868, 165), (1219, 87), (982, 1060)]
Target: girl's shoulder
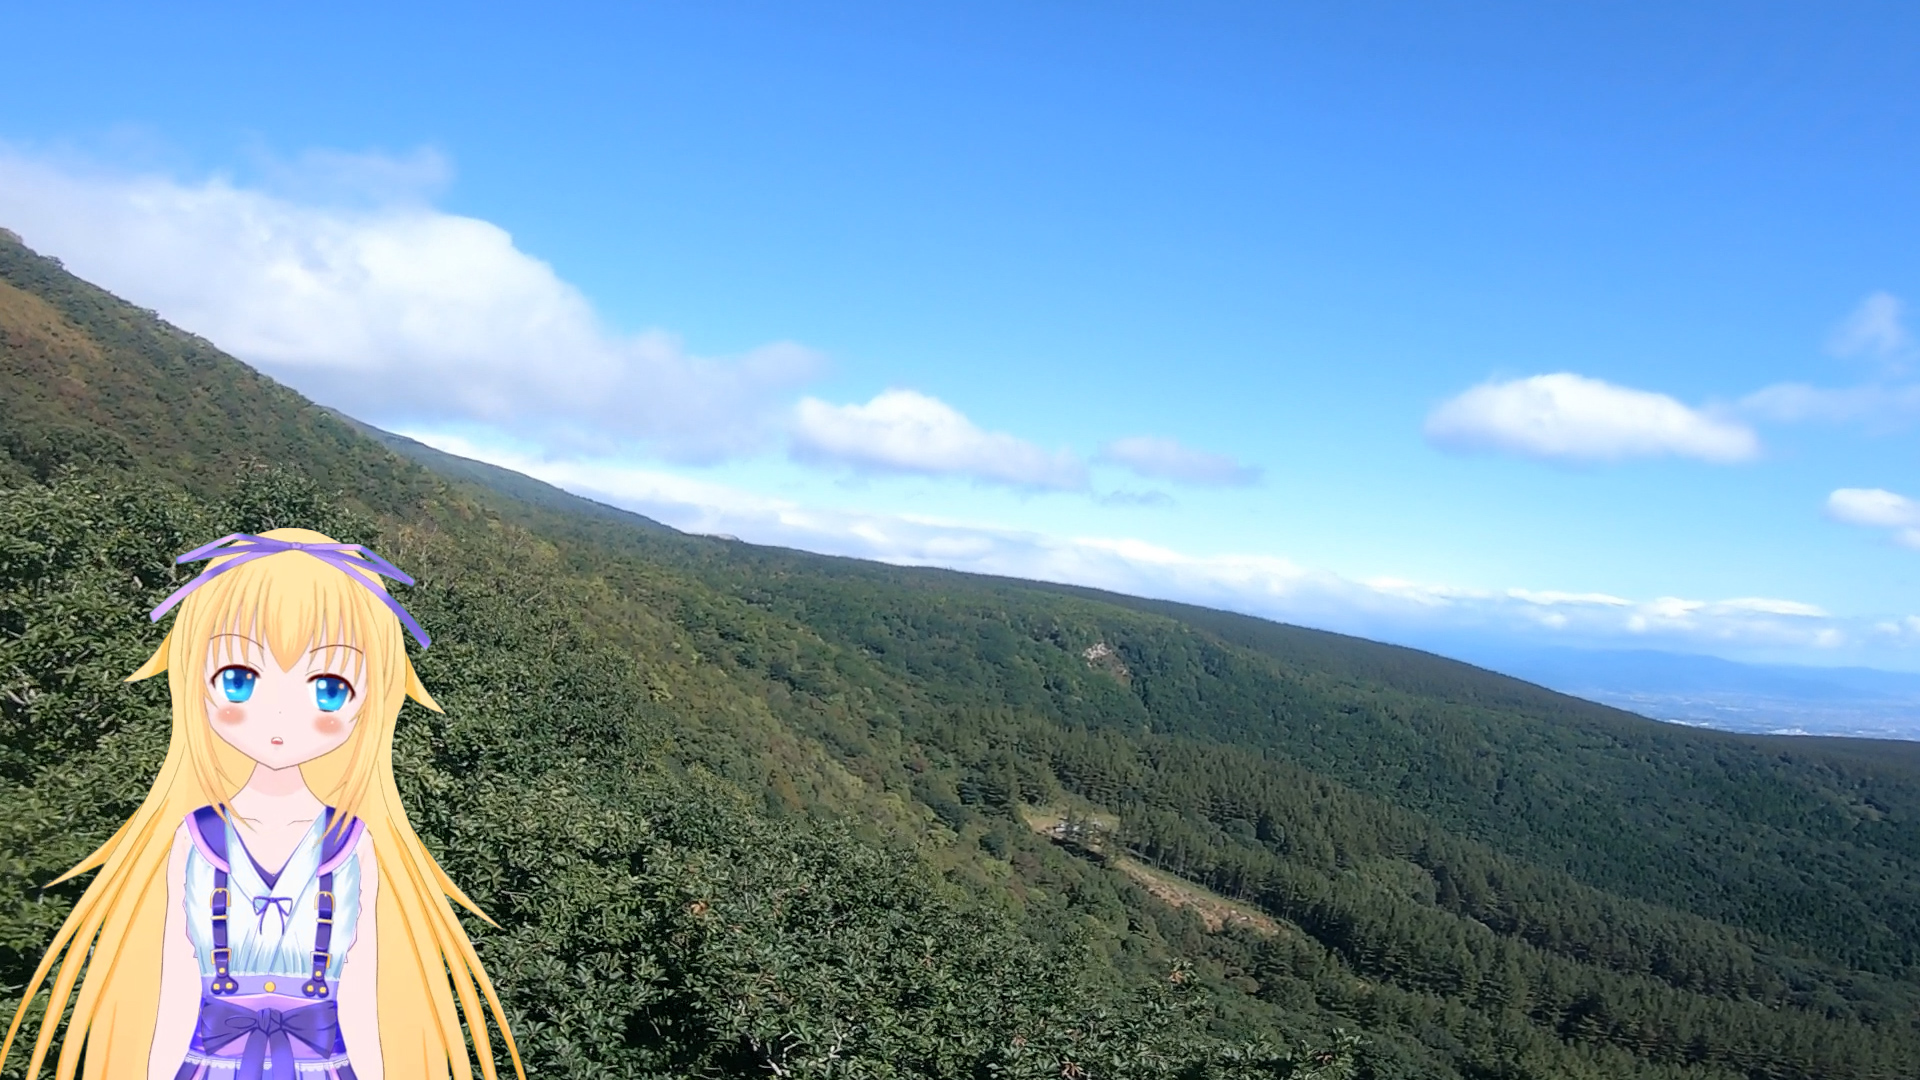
[(207, 829), (338, 842)]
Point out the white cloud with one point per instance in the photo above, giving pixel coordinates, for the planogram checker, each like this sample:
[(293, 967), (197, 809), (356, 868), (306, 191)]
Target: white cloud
[(387, 308), (1769, 606), (1550, 598), (1567, 417), (1877, 508), (1168, 459), (1266, 585), (1873, 507), (1877, 329), (905, 431)]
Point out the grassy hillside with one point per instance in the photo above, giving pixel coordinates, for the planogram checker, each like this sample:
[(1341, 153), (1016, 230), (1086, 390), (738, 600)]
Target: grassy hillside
[(1479, 877)]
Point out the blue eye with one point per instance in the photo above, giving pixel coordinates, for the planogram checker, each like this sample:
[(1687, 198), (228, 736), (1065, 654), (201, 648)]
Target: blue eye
[(330, 692), (236, 682)]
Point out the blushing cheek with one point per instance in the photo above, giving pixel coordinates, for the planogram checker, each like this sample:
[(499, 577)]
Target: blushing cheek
[(328, 724), (230, 714)]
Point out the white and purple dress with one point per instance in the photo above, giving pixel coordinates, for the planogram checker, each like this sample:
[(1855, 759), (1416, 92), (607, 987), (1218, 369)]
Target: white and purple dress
[(271, 948)]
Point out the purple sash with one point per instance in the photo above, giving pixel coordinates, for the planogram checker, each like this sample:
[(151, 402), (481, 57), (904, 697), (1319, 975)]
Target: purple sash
[(222, 1023)]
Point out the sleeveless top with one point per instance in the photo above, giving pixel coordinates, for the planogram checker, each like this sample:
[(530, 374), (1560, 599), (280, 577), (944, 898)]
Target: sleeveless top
[(271, 947)]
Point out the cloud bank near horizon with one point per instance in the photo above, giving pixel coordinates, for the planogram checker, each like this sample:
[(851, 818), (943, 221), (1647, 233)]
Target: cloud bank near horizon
[(1264, 585)]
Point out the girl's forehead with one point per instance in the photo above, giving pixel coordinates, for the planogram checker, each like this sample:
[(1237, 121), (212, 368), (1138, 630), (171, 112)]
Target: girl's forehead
[(226, 641), (244, 643)]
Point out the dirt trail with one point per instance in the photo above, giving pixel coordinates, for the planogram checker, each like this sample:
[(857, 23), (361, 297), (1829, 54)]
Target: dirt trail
[(1216, 912)]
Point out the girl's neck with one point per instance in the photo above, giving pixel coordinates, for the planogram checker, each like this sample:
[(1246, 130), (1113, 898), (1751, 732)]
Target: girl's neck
[(276, 795)]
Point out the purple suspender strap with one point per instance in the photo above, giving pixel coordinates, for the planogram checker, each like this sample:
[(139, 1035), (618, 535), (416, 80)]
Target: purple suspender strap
[(322, 940), (333, 851), (209, 832)]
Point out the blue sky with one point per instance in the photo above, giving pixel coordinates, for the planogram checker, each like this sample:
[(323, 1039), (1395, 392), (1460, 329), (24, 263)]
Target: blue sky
[(1584, 324)]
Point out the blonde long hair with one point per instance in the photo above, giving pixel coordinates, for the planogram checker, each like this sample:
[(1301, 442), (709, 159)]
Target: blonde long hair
[(289, 601)]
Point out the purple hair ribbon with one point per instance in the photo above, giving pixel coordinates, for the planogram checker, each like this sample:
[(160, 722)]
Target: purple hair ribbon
[(335, 555)]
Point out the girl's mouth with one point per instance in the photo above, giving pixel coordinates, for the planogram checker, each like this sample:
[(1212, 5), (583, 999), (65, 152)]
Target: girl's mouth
[(277, 740)]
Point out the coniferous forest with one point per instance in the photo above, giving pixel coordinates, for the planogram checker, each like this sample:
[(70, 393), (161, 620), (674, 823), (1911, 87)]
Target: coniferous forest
[(743, 811)]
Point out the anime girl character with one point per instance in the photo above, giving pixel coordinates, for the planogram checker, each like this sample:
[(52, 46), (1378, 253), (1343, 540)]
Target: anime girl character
[(268, 913)]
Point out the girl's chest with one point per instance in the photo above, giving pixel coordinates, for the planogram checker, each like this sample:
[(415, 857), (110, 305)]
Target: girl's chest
[(273, 922), (273, 847)]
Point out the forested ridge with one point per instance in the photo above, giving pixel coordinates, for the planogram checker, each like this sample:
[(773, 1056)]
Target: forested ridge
[(739, 809)]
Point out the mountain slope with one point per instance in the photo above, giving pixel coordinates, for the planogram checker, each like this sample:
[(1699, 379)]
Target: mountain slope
[(1483, 877), (1664, 813)]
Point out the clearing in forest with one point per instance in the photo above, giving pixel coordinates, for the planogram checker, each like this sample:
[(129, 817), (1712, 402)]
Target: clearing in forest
[(1216, 912)]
